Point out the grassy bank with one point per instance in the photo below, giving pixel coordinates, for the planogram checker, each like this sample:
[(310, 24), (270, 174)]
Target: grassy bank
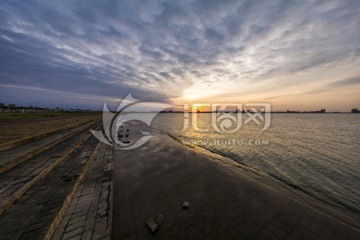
[(15, 127), (34, 115)]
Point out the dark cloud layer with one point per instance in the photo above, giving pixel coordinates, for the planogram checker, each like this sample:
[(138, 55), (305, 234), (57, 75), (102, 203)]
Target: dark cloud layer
[(157, 50), (353, 81)]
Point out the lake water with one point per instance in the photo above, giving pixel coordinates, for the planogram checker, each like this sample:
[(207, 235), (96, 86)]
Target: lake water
[(318, 153)]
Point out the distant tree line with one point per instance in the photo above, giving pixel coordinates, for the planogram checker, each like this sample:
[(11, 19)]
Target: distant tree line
[(21, 109)]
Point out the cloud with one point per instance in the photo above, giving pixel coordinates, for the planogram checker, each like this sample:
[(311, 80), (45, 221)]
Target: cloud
[(348, 82), (159, 50)]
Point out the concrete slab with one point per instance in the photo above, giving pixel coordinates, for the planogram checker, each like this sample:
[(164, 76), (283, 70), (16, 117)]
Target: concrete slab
[(227, 201)]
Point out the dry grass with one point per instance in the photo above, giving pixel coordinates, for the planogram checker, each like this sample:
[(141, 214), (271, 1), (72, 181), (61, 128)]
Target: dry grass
[(16, 127)]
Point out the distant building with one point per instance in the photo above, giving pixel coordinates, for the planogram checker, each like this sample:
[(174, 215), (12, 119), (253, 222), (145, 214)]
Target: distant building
[(290, 111), (3, 108), (19, 109)]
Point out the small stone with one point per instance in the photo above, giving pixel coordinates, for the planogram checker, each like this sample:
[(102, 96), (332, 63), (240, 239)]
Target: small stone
[(159, 219), (152, 225), (185, 205)]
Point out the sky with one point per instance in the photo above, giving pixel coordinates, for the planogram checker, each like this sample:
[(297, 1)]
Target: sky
[(298, 55)]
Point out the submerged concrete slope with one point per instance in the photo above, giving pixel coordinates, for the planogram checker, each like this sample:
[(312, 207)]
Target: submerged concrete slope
[(226, 201)]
